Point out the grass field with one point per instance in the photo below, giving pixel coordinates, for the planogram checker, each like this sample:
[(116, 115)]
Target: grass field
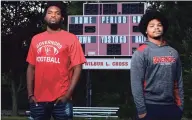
[(25, 118), (14, 118)]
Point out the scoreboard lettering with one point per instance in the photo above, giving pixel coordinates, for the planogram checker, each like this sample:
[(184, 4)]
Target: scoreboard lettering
[(114, 39), (114, 19), (87, 39), (108, 29), (136, 19), (138, 39), (83, 20)]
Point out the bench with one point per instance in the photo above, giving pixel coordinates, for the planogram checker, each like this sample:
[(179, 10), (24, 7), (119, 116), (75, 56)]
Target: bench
[(92, 112)]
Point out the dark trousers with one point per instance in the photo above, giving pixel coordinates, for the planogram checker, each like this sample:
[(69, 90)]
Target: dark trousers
[(44, 111), (162, 112)]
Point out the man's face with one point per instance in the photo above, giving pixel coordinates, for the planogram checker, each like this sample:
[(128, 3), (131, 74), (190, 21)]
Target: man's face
[(154, 29), (53, 17)]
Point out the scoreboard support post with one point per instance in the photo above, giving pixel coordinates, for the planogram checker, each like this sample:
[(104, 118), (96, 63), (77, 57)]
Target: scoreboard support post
[(89, 89)]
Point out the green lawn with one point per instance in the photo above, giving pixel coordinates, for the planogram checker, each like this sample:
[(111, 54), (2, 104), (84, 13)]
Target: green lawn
[(14, 118), (25, 118)]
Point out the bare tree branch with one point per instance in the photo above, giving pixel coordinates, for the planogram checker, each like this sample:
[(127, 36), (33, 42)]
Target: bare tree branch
[(21, 84)]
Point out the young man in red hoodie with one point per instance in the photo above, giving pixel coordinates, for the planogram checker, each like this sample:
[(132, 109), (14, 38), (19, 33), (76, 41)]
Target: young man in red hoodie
[(55, 60), (156, 73)]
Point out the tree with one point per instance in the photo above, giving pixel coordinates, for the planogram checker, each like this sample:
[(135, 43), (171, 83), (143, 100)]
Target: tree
[(20, 20)]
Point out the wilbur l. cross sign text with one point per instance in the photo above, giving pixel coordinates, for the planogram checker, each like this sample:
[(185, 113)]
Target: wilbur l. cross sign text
[(108, 29), (107, 63)]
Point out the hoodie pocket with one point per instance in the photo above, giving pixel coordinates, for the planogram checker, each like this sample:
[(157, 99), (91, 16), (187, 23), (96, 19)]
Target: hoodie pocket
[(158, 88)]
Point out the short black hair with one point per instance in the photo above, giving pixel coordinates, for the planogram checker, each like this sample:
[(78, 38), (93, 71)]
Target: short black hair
[(150, 15), (58, 4)]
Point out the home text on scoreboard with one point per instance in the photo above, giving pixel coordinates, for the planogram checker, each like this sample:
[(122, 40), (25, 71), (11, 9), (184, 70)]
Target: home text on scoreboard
[(83, 19)]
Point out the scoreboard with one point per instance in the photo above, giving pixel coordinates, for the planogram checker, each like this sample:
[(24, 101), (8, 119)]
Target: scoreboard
[(108, 29)]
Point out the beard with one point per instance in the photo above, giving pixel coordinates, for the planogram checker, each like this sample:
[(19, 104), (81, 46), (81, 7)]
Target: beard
[(158, 37), (53, 26)]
